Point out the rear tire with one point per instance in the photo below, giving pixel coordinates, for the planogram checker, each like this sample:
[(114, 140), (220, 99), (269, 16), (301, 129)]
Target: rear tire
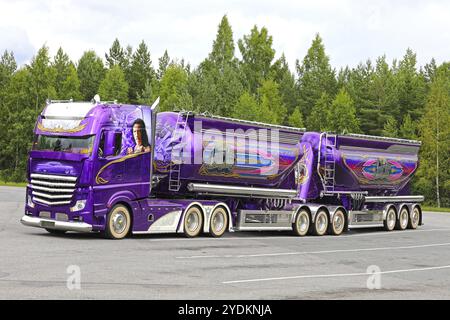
[(320, 225), (118, 222), (403, 219), (337, 226), (302, 223), (414, 219), (391, 220), (193, 222), (218, 222), (56, 232)]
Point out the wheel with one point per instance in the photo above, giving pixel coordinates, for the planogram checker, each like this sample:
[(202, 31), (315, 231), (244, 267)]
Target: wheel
[(337, 225), (391, 219), (415, 218), (403, 221), (193, 222), (301, 223), (218, 223), (55, 231), (118, 222), (321, 223)]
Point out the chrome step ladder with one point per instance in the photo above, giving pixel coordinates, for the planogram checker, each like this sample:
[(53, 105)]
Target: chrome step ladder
[(329, 162), (177, 144)]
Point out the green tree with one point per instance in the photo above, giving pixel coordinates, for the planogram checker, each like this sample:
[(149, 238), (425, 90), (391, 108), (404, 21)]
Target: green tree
[(257, 55), (342, 115), (390, 128), (280, 73), (114, 86), (271, 107), (91, 72), (8, 66), (408, 128), (222, 53), (246, 107), (434, 131), (163, 63), (141, 72), (315, 76), (42, 78), (296, 119), (174, 89), (318, 119), (117, 56), (70, 86)]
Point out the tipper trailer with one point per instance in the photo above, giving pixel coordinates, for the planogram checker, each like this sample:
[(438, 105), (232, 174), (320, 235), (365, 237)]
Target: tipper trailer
[(121, 169)]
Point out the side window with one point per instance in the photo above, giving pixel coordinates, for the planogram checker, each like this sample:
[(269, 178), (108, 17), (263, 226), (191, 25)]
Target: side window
[(117, 143), (110, 144)]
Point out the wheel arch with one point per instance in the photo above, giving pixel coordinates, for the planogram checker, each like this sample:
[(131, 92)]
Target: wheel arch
[(197, 204)]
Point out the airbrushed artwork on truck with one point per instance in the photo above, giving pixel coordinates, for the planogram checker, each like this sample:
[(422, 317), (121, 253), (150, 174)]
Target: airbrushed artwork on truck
[(375, 170)]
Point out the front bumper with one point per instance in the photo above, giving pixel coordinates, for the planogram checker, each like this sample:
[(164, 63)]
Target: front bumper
[(54, 224)]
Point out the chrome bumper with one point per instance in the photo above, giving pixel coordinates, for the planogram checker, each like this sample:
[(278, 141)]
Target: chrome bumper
[(54, 224)]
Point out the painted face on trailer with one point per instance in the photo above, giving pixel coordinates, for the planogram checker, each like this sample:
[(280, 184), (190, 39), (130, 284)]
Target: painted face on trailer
[(137, 134)]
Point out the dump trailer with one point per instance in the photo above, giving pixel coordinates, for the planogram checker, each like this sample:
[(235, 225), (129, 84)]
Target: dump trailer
[(127, 169)]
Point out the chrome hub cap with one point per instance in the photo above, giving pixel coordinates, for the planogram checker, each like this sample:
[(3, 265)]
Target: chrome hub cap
[(218, 222), (193, 221), (391, 219), (119, 222), (415, 217), (322, 223), (338, 222), (303, 223), (404, 219)]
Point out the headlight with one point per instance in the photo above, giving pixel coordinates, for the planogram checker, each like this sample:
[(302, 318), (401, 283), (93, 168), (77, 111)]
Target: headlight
[(78, 206), (30, 201)]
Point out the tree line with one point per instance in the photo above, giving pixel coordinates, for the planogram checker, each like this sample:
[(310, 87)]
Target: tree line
[(396, 99)]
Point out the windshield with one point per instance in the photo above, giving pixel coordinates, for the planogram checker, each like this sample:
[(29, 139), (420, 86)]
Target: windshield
[(78, 145)]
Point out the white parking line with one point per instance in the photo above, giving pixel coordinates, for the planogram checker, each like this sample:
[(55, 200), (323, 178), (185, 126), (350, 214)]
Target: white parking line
[(344, 236), (276, 254), (336, 275)]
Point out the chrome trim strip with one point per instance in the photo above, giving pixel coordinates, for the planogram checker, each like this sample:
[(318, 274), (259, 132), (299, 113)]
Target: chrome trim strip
[(240, 191), (55, 224), (53, 177), (53, 184), (49, 196), (50, 203), (52, 190), (377, 199), (377, 138)]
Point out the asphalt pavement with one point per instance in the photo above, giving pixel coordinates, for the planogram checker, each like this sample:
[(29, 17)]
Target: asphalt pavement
[(360, 264)]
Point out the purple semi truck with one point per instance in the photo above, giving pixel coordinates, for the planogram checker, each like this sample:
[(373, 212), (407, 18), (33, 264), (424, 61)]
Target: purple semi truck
[(121, 169)]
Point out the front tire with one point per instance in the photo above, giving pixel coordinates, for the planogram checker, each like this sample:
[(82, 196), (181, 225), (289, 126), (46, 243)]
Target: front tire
[(301, 223), (321, 223), (193, 222), (118, 222)]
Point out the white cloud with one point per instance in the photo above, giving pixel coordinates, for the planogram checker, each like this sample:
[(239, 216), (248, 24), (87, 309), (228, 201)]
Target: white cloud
[(352, 30)]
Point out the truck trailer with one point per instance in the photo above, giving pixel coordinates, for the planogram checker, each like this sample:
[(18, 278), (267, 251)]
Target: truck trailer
[(124, 169)]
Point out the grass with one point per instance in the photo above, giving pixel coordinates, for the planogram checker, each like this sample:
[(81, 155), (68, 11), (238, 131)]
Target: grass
[(435, 209), (13, 184)]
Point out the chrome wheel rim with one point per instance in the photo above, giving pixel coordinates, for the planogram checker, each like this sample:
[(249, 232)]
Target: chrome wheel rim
[(119, 222), (218, 222), (322, 223), (303, 222), (415, 218), (404, 219), (338, 222), (391, 219), (193, 221)]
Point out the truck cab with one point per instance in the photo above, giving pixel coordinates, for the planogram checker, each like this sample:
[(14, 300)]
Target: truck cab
[(76, 168)]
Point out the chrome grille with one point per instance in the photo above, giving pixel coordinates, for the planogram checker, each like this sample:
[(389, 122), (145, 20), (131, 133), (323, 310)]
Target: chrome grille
[(52, 189)]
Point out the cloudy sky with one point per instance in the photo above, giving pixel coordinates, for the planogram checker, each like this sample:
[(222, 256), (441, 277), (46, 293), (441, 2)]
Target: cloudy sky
[(352, 30)]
